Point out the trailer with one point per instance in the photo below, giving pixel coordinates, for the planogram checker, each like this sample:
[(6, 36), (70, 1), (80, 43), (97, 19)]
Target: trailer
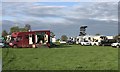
[(32, 39)]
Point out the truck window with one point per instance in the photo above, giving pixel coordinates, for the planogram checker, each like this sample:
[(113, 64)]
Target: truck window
[(85, 41), (1, 41), (19, 38), (33, 38), (13, 38), (26, 36), (96, 41)]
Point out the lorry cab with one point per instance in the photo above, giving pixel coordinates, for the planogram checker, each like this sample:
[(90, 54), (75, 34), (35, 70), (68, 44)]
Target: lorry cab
[(30, 39)]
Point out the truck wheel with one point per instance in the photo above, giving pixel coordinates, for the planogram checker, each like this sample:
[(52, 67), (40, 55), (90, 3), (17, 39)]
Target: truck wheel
[(33, 46), (117, 46), (95, 44), (15, 46), (81, 44), (103, 45)]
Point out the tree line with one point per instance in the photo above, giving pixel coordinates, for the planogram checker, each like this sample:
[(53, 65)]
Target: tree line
[(26, 28)]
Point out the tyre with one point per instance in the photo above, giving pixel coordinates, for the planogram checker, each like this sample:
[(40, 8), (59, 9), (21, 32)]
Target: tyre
[(33, 46), (103, 45), (81, 44), (90, 44), (15, 46), (95, 44), (117, 46)]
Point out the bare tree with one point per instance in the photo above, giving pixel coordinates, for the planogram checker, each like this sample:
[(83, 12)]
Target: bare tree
[(28, 27)]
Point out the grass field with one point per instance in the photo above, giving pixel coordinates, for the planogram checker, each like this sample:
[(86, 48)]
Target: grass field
[(0, 59), (0, 53), (72, 57)]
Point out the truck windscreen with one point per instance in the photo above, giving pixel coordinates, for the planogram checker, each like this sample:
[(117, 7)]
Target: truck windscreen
[(1, 41)]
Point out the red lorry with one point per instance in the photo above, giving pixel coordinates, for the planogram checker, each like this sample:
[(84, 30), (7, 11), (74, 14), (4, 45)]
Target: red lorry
[(30, 39)]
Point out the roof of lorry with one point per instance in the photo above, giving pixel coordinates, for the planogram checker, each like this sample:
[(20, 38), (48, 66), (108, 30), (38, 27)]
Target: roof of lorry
[(14, 34)]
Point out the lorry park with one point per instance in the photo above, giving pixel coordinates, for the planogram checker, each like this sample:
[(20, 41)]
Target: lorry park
[(39, 50), (29, 40), (36, 39)]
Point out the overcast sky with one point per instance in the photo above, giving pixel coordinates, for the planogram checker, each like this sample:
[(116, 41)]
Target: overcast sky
[(63, 17)]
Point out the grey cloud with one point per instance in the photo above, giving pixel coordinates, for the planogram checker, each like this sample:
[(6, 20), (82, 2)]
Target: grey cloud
[(69, 18), (14, 8), (93, 10), (45, 11), (60, 0), (99, 10)]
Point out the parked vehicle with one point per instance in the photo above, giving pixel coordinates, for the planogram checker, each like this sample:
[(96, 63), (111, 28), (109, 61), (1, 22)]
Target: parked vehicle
[(85, 43), (1, 43), (107, 42), (95, 43), (71, 40), (117, 44), (30, 39)]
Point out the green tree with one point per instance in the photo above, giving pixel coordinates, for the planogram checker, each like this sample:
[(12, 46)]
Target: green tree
[(97, 34), (14, 29), (4, 33), (117, 37), (52, 34), (58, 40), (17, 29), (64, 38), (22, 30)]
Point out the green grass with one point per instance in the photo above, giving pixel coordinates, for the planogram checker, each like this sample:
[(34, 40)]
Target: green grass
[(0, 58), (0, 53), (72, 57)]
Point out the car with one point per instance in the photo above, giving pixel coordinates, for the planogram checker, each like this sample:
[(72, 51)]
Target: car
[(107, 42), (85, 43), (70, 42), (1, 43), (95, 43), (117, 45)]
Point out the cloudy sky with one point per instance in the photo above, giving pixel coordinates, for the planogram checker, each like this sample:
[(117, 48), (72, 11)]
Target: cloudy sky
[(62, 17)]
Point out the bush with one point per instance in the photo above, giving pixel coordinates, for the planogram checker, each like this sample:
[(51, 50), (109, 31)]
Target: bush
[(57, 43)]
